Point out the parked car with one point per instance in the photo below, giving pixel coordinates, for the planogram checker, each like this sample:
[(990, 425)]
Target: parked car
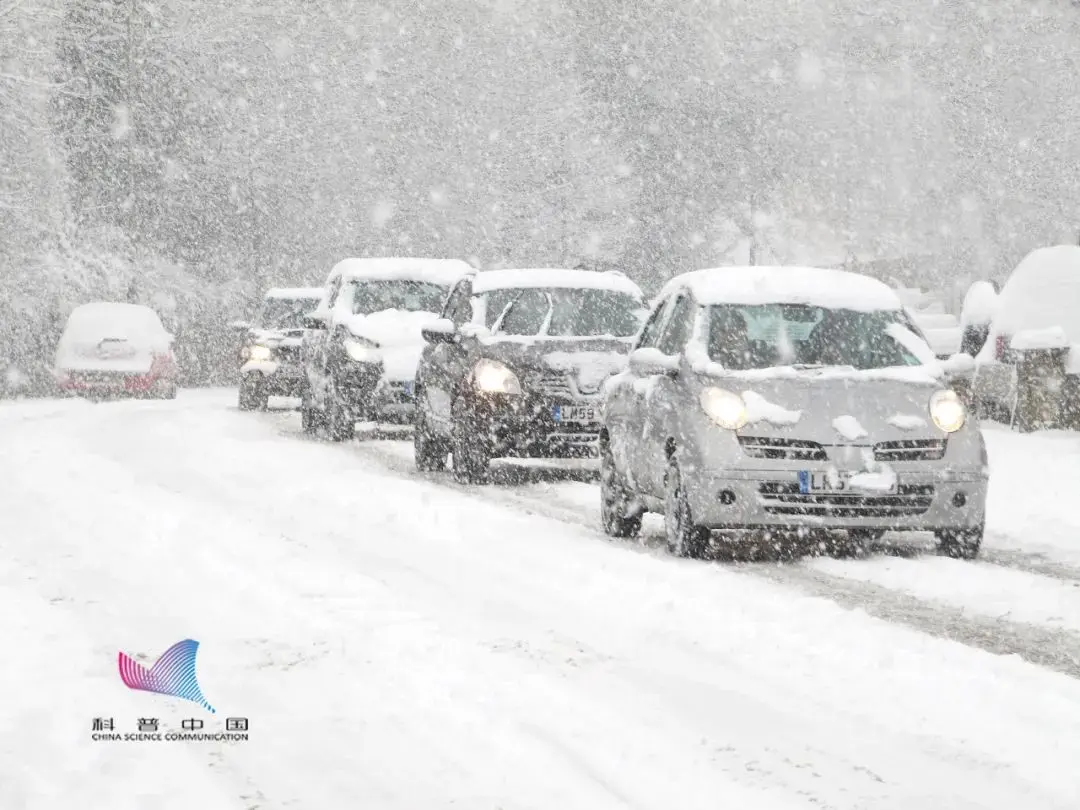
[(270, 363), (113, 349), (514, 367), (1028, 371), (788, 400), (362, 343)]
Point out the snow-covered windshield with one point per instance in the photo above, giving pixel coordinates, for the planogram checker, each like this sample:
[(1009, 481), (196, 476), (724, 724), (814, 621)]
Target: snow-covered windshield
[(749, 337), (401, 294), (285, 313), (563, 312)]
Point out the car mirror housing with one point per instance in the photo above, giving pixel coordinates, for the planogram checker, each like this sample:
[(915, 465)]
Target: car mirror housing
[(651, 362), (440, 331)]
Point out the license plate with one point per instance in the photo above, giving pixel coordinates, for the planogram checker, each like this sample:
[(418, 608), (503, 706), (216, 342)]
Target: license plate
[(820, 481), (578, 414)]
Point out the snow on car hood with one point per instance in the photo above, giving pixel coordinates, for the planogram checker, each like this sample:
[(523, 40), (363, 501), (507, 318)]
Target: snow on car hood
[(588, 368), (840, 410), (398, 333)]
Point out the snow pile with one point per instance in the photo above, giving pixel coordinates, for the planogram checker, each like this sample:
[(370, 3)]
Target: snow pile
[(848, 427), (398, 334), (590, 369), (835, 289), (980, 304), (1051, 337), (759, 409), (555, 278), (905, 421)]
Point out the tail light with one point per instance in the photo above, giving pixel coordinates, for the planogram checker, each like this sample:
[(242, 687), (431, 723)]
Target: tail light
[(1001, 343)]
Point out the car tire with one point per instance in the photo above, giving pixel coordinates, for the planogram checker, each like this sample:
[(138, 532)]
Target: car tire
[(252, 396), (340, 418), (960, 544), (310, 418), (472, 458), (684, 537), (429, 450), (615, 499)]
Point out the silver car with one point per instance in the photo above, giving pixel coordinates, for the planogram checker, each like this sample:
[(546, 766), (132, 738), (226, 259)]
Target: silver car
[(787, 400)]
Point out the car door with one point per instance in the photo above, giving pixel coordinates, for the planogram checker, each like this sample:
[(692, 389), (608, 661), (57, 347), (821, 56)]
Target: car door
[(625, 410), (657, 397), (442, 365)]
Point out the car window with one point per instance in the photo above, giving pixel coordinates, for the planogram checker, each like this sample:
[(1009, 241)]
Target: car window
[(650, 334), (528, 314), (677, 330), (459, 304), (405, 295), (285, 313)]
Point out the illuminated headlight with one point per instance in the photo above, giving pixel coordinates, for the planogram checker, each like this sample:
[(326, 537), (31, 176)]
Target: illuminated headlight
[(362, 351), (725, 408), (260, 353), (947, 411), (495, 378)]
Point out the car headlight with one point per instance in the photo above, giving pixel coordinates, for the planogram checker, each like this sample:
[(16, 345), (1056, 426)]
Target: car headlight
[(495, 378), (260, 353), (947, 411), (725, 408), (362, 351)]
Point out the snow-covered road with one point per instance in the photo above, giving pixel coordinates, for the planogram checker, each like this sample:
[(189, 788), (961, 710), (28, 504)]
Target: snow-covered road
[(398, 641)]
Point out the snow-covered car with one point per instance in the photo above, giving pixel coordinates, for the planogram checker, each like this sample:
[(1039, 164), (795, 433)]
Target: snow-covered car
[(1037, 316), (270, 356), (515, 365), (115, 349), (788, 399), (363, 341)]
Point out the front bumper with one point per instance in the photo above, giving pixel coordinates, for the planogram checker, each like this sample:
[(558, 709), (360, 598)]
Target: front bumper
[(527, 428), (755, 499), (278, 379)]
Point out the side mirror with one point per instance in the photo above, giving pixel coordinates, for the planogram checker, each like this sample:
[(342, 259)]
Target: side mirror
[(958, 365), (314, 320), (651, 362), (440, 331)]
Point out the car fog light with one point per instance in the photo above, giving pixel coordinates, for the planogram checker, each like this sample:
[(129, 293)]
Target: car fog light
[(959, 499), (727, 497)]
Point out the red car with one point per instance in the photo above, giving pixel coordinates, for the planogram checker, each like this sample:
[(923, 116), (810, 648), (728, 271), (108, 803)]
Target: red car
[(112, 349)]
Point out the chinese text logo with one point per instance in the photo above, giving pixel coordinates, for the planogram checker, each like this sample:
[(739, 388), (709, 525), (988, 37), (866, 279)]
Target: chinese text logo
[(173, 674)]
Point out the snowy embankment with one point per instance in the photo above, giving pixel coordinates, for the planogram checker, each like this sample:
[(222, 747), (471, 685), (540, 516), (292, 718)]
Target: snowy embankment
[(397, 642)]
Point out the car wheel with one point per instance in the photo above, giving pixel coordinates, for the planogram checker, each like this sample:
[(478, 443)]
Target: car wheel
[(960, 544), (310, 418), (615, 500), (340, 418), (429, 450), (472, 458), (251, 396), (684, 537)]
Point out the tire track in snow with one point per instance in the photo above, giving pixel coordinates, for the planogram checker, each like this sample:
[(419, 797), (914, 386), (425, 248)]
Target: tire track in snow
[(1052, 648)]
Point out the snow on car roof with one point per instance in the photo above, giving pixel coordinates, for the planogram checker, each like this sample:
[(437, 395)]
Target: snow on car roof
[(553, 277), (836, 289), (434, 271), (1043, 291), (106, 314), (292, 293)]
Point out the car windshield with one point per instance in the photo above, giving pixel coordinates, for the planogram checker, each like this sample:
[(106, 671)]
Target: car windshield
[(285, 313), (748, 337), (564, 312), (402, 294)]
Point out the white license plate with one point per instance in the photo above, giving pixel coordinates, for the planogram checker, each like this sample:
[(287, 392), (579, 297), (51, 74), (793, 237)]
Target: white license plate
[(810, 481), (576, 414)]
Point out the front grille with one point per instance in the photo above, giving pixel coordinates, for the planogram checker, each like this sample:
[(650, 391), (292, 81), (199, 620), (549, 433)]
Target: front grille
[(396, 392), (786, 499), (910, 450), (555, 385), (791, 449)]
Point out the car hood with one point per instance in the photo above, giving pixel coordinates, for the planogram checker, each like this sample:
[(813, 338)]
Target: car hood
[(839, 410), (278, 337), (398, 334), (588, 362)]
